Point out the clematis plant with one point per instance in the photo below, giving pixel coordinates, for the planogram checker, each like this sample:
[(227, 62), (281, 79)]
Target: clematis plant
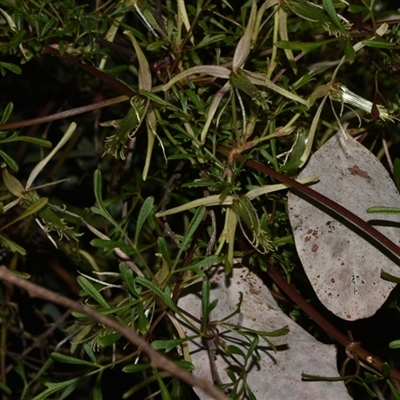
[(238, 79), (28, 198), (239, 209), (139, 112)]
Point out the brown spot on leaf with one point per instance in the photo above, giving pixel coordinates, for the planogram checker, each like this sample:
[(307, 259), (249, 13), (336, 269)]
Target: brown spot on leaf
[(253, 290), (314, 248), (355, 170)]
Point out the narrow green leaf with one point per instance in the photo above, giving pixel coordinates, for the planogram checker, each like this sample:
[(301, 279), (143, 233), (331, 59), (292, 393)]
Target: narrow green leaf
[(355, 8), (369, 391), (330, 9), (159, 100), (5, 388), (40, 165), (205, 299), (7, 112), (144, 73), (243, 47), (388, 277), (127, 276), (43, 368), (396, 172), (164, 391), (231, 349), (16, 40), (164, 296), (152, 47), (232, 376), (304, 47), (349, 51), (143, 322), (55, 387), (383, 210), (395, 344), (207, 306), (212, 305), (33, 209), (151, 127), (110, 245), (101, 210), (135, 368), (110, 339), (47, 26), (90, 353), (9, 161), (231, 225), (213, 70), (207, 262), (90, 289), (11, 67), (20, 370), (61, 47), (13, 185), (393, 389), (277, 332), (9, 244), (164, 249), (253, 347), (97, 180), (194, 224), (370, 378), (250, 394), (379, 44), (97, 390), (207, 40), (320, 378), (71, 360), (144, 213), (127, 128), (186, 365), (386, 370), (168, 345), (33, 140)]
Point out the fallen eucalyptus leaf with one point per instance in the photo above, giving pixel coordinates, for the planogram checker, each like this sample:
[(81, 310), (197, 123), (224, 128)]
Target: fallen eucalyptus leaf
[(269, 374), (343, 267)]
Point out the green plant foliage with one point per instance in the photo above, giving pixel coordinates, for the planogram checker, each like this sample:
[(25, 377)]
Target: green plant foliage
[(127, 133)]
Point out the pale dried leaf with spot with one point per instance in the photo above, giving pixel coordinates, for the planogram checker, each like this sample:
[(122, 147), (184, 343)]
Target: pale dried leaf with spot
[(343, 267), (277, 374)]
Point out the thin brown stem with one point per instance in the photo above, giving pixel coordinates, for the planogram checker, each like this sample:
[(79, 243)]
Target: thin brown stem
[(120, 87), (363, 355), (63, 114), (331, 205)]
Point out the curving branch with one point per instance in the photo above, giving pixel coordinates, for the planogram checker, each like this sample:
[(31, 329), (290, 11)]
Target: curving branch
[(63, 114)]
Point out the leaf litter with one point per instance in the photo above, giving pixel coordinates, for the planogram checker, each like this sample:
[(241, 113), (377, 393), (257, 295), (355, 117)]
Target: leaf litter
[(344, 266), (274, 374)]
